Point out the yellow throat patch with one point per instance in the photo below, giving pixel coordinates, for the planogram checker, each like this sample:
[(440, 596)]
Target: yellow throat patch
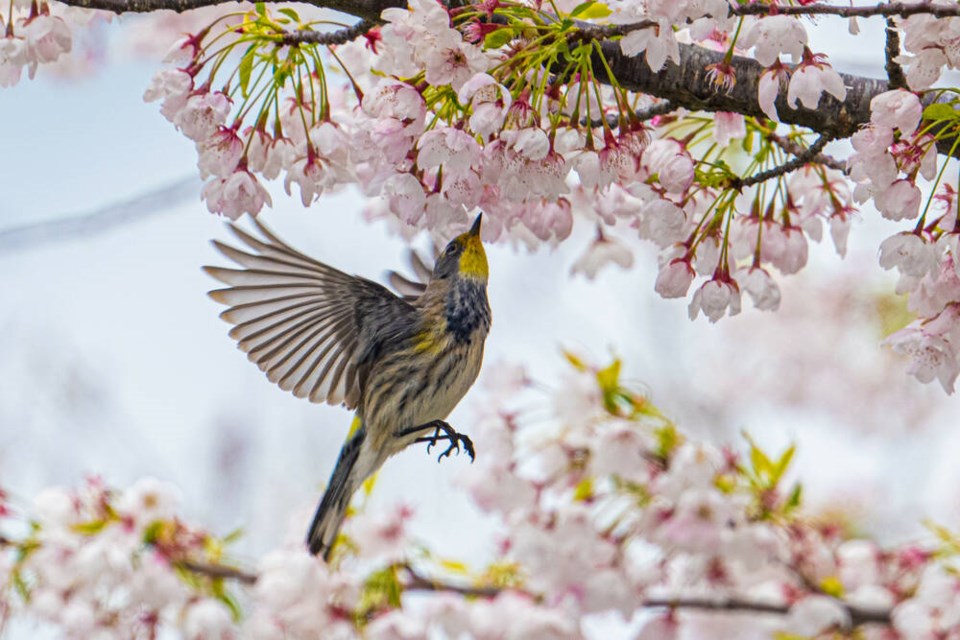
[(473, 260)]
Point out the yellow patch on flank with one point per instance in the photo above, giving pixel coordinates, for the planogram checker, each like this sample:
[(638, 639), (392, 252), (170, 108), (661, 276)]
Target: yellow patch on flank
[(473, 261), (428, 342)]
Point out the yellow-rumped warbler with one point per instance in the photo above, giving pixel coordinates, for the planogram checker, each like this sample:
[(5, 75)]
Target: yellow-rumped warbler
[(402, 363)]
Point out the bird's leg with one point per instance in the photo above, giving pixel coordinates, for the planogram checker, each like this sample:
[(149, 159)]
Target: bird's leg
[(448, 434)]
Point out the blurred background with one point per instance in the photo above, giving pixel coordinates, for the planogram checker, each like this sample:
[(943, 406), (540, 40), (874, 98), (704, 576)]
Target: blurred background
[(113, 360)]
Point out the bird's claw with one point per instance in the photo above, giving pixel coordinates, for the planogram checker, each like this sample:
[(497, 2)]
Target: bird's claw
[(450, 435)]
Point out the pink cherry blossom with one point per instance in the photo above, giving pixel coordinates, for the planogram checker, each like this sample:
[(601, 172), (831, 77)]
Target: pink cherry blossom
[(814, 615), (775, 35), (760, 286), (453, 149), (810, 80), (768, 89), (601, 252), (454, 62), (47, 38), (899, 201), (405, 197), (489, 101), (728, 127), (220, 153), (660, 44), (933, 357), (715, 298), (238, 193), (671, 163), (13, 57), (202, 114), (173, 87), (909, 253), (897, 109)]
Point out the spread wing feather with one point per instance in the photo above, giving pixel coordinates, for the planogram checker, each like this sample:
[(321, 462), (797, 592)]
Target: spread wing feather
[(413, 288), (299, 320)]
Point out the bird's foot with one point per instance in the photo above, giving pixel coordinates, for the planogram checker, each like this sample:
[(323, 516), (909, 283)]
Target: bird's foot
[(443, 431)]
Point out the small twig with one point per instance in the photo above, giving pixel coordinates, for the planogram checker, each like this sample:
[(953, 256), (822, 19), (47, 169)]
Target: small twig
[(794, 148), (417, 582), (343, 36), (808, 155), (895, 77), (857, 615), (218, 571), (613, 119)]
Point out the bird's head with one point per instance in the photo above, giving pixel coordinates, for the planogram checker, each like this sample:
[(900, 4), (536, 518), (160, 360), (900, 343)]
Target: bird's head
[(463, 256)]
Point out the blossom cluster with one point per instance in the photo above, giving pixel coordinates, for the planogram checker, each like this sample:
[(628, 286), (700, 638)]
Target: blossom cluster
[(892, 154), (35, 34), (605, 507)]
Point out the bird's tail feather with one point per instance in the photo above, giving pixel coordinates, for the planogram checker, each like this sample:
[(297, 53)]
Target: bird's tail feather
[(346, 478)]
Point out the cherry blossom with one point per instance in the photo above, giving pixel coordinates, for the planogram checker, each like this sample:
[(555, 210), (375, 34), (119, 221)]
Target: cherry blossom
[(238, 193), (811, 79), (601, 252), (776, 35), (715, 298)]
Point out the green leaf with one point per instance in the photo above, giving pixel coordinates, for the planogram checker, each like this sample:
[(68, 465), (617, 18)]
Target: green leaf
[(382, 589), (152, 532), (233, 536), (583, 490), (609, 378), (940, 111), (594, 11), (783, 463), (290, 13), (793, 501), (89, 528), (580, 8), (498, 38), (761, 464), (246, 68), (261, 9), (748, 140)]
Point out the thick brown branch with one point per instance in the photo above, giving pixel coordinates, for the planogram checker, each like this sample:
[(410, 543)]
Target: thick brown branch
[(364, 9), (687, 84), (901, 9), (308, 36)]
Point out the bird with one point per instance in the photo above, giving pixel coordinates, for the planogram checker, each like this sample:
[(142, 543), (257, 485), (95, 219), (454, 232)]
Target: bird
[(402, 362)]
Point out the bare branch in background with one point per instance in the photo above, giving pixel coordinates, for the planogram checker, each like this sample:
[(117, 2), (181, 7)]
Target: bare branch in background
[(68, 227)]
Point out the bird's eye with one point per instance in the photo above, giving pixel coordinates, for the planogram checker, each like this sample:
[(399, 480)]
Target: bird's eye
[(452, 249)]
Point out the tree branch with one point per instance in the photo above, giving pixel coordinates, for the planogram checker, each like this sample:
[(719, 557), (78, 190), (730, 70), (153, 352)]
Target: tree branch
[(901, 9), (857, 615), (794, 148), (364, 9), (343, 36), (211, 570), (687, 84), (802, 158), (416, 581), (895, 77)]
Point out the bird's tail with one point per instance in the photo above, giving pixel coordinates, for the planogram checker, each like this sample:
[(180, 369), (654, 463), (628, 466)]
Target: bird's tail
[(347, 477)]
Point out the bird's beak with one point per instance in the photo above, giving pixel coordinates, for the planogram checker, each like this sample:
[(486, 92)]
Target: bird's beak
[(475, 229)]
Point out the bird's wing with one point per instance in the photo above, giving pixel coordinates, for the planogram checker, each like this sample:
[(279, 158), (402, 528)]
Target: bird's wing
[(412, 288), (300, 320)]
